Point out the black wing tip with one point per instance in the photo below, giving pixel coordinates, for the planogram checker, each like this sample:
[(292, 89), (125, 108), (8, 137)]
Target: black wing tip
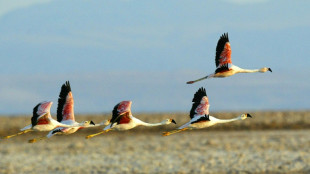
[(224, 37), (199, 94), (202, 90), (35, 109), (35, 115), (67, 86), (65, 89)]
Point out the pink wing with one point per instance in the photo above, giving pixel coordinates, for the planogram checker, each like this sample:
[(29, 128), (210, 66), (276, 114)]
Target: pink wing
[(223, 51), (65, 109), (225, 56), (203, 107), (43, 120), (68, 111), (124, 106), (42, 109), (121, 112)]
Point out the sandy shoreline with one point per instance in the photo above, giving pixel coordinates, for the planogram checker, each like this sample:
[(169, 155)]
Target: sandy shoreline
[(277, 151), (137, 151)]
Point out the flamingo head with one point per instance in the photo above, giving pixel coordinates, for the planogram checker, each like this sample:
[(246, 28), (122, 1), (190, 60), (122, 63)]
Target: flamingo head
[(265, 70), (245, 116)]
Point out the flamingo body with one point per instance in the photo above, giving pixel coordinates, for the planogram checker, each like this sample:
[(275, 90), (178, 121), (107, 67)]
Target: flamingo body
[(122, 119), (223, 63), (199, 114)]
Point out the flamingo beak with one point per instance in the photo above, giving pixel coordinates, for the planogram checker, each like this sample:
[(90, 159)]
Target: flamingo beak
[(172, 121), (248, 115), (91, 122), (269, 70)]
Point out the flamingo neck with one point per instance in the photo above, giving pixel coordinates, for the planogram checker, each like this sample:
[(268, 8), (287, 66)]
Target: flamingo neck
[(142, 123), (227, 120), (66, 125), (248, 70)]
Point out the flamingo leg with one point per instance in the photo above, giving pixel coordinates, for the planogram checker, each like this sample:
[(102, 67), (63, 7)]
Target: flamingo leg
[(194, 81), (19, 133), (92, 135), (174, 131), (36, 139)]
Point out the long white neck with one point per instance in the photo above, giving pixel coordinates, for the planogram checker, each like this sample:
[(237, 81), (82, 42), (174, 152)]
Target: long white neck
[(67, 124), (248, 70), (142, 123), (226, 120)]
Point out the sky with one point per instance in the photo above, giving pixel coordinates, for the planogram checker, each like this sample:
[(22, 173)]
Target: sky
[(146, 51)]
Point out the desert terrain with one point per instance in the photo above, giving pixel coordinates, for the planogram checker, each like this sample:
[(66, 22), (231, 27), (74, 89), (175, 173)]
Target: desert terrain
[(270, 142)]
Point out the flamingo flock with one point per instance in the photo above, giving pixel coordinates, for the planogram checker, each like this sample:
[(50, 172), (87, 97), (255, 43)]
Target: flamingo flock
[(122, 118)]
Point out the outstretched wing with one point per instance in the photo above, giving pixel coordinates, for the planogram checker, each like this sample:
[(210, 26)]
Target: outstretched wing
[(65, 109), (201, 104), (41, 113), (223, 51), (121, 113)]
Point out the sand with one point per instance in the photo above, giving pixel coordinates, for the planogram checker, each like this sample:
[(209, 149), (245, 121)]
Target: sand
[(236, 150)]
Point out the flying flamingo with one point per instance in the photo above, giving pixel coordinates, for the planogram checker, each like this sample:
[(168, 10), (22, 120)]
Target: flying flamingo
[(122, 119), (65, 115), (224, 66), (199, 114), (41, 120)]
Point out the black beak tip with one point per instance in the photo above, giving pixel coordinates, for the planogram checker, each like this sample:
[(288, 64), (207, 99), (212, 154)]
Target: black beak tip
[(269, 69), (172, 120), (91, 122), (248, 115)]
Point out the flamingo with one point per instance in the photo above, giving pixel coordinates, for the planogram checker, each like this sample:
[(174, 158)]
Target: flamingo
[(65, 115), (41, 120), (122, 119), (224, 66), (199, 114)]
